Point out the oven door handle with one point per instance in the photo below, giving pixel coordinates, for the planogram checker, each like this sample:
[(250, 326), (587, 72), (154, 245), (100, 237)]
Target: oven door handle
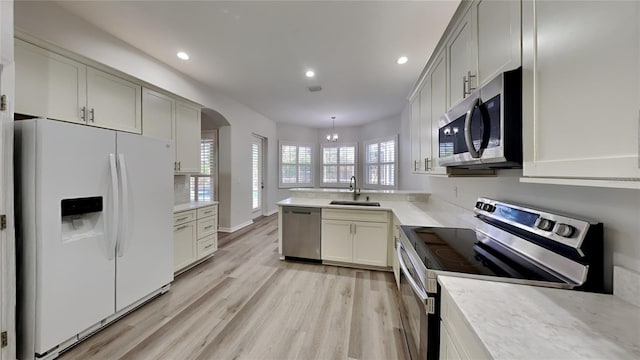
[(420, 292)]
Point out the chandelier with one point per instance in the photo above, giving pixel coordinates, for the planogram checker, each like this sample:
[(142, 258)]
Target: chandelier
[(333, 136)]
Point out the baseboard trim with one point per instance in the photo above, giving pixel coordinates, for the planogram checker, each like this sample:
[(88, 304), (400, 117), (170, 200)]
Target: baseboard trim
[(235, 228), (269, 213)]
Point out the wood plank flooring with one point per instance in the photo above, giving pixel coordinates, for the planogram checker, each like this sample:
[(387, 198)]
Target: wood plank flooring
[(247, 304)]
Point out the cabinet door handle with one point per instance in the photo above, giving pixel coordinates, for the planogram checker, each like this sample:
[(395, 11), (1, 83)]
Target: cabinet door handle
[(464, 86), (426, 164), (181, 227), (415, 165), (469, 76), (355, 229), (83, 113), (92, 115), (179, 166)]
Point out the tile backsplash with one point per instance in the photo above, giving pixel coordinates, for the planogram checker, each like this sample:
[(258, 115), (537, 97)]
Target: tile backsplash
[(181, 189)]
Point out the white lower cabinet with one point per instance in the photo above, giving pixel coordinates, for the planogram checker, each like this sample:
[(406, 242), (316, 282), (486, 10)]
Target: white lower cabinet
[(195, 236), (457, 339), (348, 237), (447, 347), (337, 241), (184, 237)]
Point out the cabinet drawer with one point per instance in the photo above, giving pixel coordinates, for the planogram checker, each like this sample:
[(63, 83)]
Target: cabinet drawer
[(183, 217), (207, 245), (207, 211), (207, 226), (356, 215)]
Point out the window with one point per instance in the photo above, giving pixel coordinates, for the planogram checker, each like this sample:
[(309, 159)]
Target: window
[(380, 163), (202, 185), (338, 164), (296, 165)]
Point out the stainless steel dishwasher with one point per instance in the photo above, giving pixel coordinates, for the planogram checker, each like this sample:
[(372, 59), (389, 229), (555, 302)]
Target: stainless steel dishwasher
[(301, 232)]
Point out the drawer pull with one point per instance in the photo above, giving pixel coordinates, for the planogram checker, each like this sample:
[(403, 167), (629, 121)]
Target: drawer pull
[(208, 227), (181, 227), (208, 211), (182, 218), (208, 246)]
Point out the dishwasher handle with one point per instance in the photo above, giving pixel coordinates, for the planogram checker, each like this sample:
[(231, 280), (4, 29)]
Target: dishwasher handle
[(301, 212)]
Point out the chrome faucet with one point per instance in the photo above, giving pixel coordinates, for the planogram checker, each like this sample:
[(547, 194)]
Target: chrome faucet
[(353, 185)]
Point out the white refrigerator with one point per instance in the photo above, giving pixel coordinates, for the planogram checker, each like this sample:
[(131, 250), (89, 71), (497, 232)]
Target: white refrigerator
[(95, 214)]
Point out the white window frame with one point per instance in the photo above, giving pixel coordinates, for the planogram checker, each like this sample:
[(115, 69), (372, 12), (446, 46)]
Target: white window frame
[(365, 182), (297, 184), (193, 188), (322, 164)]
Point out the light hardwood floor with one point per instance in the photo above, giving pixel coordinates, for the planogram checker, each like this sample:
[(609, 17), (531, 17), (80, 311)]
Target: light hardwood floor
[(247, 304)]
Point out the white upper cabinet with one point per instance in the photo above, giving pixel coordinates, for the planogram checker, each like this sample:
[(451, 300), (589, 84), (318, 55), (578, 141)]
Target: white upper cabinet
[(113, 103), (49, 85), (581, 89), (462, 62), (428, 105), (485, 42), (52, 86), (438, 108), (187, 138), (498, 37), (416, 155), (425, 124), (158, 115)]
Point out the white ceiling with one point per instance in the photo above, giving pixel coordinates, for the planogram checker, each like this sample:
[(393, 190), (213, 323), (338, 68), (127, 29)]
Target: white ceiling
[(257, 52)]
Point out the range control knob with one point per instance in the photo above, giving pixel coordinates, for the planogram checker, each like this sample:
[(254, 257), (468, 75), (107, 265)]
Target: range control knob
[(488, 208), (546, 224), (565, 230), (479, 205)]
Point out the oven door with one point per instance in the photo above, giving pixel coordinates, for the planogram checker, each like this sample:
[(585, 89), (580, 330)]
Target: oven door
[(414, 307)]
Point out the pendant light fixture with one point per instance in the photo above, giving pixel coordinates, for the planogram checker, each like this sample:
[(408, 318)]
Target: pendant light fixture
[(333, 136)]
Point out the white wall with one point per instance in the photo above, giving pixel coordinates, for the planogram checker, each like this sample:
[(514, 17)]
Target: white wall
[(49, 22)]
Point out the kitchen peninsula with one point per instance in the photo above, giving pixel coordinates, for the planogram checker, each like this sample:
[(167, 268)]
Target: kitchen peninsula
[(340, 223)]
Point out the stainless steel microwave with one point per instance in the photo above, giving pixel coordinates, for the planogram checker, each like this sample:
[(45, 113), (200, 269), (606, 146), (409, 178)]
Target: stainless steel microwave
[(484, 131)]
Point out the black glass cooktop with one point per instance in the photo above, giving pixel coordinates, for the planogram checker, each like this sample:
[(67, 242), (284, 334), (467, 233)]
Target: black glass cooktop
[(459, 250)]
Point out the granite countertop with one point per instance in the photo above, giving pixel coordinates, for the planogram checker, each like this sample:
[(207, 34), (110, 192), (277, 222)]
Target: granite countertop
[(520, 321), (192, 205), (407, 212)]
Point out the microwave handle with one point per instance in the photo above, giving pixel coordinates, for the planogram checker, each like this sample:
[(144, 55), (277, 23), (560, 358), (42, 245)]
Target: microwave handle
[(420, 292), (467, 129)]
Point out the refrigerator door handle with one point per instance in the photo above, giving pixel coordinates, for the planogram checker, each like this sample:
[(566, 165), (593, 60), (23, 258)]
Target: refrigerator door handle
[(124, 210), (114, 207)]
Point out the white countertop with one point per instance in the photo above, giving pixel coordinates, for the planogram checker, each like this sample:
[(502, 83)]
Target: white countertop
[(192, 205), (343, 190), (520, 321), (407, 212)]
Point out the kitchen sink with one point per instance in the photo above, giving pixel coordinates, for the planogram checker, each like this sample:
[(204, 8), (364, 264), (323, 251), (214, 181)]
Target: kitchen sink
[(354, 203)]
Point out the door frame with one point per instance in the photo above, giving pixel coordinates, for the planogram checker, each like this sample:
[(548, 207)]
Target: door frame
[(261, 141), (7, 236)]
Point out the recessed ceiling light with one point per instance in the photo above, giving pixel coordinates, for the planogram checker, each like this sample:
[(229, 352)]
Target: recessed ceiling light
[(310, 73), (402, 60), (183, 55)]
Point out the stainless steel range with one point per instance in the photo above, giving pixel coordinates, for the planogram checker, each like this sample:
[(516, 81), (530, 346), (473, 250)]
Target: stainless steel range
[(511, 243)]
